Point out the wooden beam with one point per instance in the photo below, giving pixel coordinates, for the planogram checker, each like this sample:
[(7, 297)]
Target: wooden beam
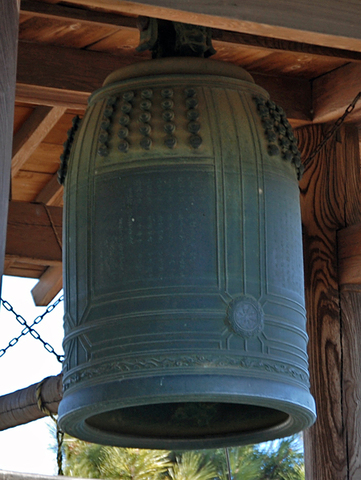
[(49, 285), (328, 23), (60, 74), (20, 407), (34, 233), (92, 18), (330, 200), (350, 301), (28, 270), (13, 259), (39, 95), (52, 193), (32, 133), (9, 22), (333, 92), (96, 18), (349, 255), (68, 70)]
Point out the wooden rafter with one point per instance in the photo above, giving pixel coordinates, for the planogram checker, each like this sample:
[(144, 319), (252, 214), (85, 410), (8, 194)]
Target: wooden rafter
[(95, 18), (333, 92), (48, 286), (329, 99), (53, 73), (32, 133), (52, 193), (328, 23)]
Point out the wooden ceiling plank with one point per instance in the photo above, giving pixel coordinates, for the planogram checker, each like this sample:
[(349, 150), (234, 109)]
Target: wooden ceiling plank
[(328, 23), (128, 25), (77, 71), (22, 113), (46, 158), (26, 185), (63, 31), (31, 134), (49, 285), (34, 232), (332, 93), (91, 18), (52, 193)]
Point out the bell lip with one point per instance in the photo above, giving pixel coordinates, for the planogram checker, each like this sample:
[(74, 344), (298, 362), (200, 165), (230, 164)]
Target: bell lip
[(296, 402), (178, 66)]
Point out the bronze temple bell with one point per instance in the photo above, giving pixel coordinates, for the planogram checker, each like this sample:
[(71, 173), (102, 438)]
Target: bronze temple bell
[(183, 274)]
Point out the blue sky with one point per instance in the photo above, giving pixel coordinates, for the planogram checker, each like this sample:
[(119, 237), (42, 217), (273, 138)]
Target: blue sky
[(27, 448)]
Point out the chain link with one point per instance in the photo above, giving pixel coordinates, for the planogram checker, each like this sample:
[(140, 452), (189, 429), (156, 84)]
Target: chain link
[(29, 328), (333, 130)]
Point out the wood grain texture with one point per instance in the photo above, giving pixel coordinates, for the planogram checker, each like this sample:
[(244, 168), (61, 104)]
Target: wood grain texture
[(349, 255), (39, 95), (20, 407), (95, 18), (32, 133), (34, 233), (48, 286), (9, 19), (25, 187), (50, 67), (22, 113), (329, 201), (39, 9), (350, 298), (328, 23), (22, 269), (46, 158), (119, 35), (52, 193), (334, 92)]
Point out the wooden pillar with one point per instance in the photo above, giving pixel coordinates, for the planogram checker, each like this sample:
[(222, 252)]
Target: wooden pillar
[(9, 21), (349, 255), (330, 201)]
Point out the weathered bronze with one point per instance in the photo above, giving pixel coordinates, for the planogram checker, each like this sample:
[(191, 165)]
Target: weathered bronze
[(174, 39), (184, 310)]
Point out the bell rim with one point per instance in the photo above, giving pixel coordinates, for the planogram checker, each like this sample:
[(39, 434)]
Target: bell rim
[(78, 407)]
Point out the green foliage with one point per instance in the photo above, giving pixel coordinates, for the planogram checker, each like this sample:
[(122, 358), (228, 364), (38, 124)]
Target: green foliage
[(133, 463), (282, 460), (243, 465), (191, 466), (278, 460), (82, 459)]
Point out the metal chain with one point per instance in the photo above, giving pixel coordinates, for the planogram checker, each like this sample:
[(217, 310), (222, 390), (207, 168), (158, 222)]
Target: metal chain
[(333, 130), (29, 328), (59, 433)]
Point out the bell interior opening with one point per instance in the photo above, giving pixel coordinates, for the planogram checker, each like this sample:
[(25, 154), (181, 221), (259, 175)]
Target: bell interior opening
[(187, 420)]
